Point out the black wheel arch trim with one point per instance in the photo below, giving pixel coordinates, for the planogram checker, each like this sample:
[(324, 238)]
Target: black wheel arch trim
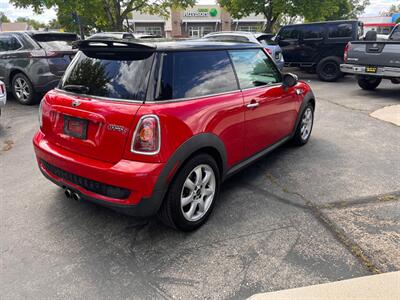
[(306, 99), (14, 72), (172, 166)]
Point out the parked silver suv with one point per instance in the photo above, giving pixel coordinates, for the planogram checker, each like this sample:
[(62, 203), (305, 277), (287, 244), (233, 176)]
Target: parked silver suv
[(33, 62), (264, 39)]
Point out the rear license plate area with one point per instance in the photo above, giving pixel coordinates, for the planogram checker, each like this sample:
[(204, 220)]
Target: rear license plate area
[(371, 69), (75, 127)]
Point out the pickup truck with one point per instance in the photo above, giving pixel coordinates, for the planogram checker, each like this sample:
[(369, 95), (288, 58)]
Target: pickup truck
[(374, 60)]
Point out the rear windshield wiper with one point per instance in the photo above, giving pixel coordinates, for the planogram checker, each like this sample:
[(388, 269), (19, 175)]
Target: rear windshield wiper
[(76, 88)]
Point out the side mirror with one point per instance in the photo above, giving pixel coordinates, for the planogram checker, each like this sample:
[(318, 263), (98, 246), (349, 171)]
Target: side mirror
[(289, 80)]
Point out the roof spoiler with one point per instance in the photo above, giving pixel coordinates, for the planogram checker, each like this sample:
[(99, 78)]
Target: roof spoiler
[(112, 46)]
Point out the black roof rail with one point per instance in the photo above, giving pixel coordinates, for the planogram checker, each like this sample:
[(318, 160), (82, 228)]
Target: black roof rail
[(112, 46)]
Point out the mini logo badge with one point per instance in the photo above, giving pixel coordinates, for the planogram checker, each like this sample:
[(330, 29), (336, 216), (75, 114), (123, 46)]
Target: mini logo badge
[(118, 128), (76, 103)]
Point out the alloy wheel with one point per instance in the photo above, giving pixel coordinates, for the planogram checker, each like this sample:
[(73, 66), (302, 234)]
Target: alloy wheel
[(198, 192), (22, 90), (306, 123)]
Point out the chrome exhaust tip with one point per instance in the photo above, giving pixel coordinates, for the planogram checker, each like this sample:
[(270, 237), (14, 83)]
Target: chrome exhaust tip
[(76, 197), (68, 193)]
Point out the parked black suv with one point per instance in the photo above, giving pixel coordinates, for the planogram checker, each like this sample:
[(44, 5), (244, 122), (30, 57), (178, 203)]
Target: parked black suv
[(33, 62), (318, 47)]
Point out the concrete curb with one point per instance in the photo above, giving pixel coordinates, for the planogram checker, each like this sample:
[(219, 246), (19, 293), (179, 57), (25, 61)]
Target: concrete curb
[(383, 286)]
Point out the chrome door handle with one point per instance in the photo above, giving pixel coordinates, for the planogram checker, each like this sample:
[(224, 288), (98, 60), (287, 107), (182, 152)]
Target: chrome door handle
[(252, 105)]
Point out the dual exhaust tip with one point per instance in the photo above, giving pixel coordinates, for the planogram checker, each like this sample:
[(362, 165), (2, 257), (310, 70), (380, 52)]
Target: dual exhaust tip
[(71, 194)]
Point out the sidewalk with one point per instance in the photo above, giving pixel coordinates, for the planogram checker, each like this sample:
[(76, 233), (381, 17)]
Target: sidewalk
[(383, 286)]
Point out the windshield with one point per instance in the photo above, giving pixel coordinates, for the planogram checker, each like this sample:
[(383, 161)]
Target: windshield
[(120, 77)]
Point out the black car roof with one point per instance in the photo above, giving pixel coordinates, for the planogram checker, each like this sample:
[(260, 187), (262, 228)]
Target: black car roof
[(324, 22), (118, 45)]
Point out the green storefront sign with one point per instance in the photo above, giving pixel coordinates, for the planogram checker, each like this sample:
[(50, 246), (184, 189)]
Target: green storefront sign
[(202, 12)]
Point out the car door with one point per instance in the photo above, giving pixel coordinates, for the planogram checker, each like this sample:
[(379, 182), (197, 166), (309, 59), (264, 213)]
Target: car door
[(288, 40), (311, 42), (270, 109)]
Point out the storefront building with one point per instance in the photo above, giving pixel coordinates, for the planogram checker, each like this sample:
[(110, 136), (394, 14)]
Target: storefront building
[(194, 22), (381, 24)]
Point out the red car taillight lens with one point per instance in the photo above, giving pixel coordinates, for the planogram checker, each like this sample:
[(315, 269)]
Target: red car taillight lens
[(346, 52), (269, 51), (42, 54), (2, 88), (147, 136)]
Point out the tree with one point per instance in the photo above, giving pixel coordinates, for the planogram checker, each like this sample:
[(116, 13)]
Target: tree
[(33, 23), (393, 9), (109, 14), (348, 9), (275, 10), (3, 18)]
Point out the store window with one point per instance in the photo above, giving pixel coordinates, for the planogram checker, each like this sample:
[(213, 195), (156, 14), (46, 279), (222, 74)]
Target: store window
[(153, 30), (199, 31), (249, 28)]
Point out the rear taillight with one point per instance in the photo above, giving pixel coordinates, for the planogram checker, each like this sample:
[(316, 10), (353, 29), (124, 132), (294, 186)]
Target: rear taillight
[(2, 88), (42, 53), (346, 52), (147, 137), (269, 51)]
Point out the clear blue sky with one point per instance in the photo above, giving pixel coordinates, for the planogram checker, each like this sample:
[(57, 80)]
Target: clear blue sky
[(13, 13)]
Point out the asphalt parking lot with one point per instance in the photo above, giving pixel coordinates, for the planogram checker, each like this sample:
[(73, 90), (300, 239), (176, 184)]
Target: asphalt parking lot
[(324, 212)]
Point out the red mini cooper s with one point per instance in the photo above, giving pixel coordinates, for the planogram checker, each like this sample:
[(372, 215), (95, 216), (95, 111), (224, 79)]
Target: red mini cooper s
[(156, 128)]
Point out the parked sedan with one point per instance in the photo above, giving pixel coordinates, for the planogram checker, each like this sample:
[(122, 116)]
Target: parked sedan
[(264, 39), (3, 95), (32, 62)]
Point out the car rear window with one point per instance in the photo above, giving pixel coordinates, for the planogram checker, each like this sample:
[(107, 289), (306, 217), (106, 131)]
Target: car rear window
[(195, 74), (55, 41), (228, 38), (119, 77)]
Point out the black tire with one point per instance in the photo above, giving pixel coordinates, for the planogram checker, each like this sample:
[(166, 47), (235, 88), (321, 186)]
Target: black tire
[(328, 69), (299, 139), (22, 89), (171, 213), (368, 83)]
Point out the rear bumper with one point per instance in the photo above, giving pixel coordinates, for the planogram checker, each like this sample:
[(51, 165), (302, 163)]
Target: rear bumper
[(138, 177), (384, 72), (45, 83)]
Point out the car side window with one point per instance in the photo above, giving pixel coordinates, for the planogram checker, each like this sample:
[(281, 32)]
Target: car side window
[(340, 30), (9, 43), (189, 74), (313, 31), (289, 33), (396, 34), (254, 68)]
